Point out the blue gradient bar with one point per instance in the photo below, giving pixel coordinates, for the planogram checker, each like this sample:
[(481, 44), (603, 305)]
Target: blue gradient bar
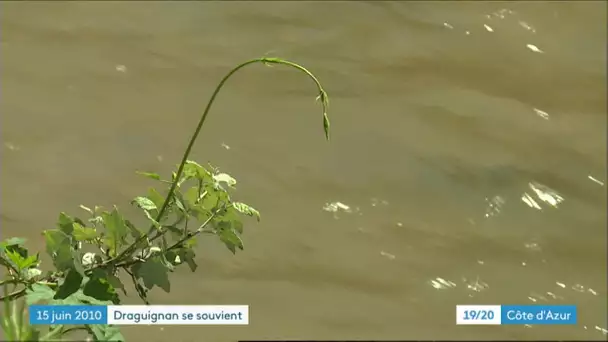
[(538, 314), (68, 314)]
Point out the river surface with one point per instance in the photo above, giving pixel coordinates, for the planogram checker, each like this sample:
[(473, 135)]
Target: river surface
[(467, 163)]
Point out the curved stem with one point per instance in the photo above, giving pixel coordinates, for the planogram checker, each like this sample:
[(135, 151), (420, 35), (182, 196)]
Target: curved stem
[(322, 97)]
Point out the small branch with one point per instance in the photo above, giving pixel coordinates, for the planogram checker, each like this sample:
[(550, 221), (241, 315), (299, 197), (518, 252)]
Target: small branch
[(14, 295), (7, 263), (323, 97), (190, 235)]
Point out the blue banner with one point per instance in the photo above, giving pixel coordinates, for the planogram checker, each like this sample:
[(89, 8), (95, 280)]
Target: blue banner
[(68, 314)]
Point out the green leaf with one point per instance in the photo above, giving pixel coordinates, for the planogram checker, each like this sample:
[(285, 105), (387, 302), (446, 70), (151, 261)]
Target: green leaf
[(70, 285), (14, 241), (153, 272), (194, 170), (55, 238), (326, 125), (210, 200), (98, 286), (58, 246), (65, 223), (154, 176), (83, 233), (104, 332), (230, 239), (77, 261), (15, 258), (144, 203), (231, 219), (152, 220), (38, 293), (246, 209), (25, 263), (116, 231), (155, 197), (178, 198), (191, 197), (187, 255), (64, 258), (116, 282)]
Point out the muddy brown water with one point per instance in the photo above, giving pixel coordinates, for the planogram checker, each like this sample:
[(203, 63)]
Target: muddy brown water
[(469, 144)]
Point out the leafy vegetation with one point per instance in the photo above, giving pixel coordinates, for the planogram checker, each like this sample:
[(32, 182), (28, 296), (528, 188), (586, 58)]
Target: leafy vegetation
[(94, 256)]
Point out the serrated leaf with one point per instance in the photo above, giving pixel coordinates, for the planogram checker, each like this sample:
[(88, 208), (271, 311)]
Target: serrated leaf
[(152, 175), (83, 233), (116, 231), (144, 203), (246, 209), (230, 239), (14, 257), (55, 238), (193, 169), (18, 250), (104, 332), (230, 220), (70, 285), (25, 263), (153, 272), (98, 286), (65, 223), (38, 293), (58, 246)]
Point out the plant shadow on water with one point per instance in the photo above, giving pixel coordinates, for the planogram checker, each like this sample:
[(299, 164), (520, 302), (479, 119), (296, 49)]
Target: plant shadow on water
[(196, 202)]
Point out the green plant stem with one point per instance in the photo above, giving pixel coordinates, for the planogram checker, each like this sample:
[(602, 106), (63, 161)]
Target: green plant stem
[(13, 295), (7, 263), (322, 96), (20, 293)]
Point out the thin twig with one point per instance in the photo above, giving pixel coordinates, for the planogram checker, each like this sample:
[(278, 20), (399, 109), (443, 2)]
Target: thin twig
[(265, 60), (14, 295)]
